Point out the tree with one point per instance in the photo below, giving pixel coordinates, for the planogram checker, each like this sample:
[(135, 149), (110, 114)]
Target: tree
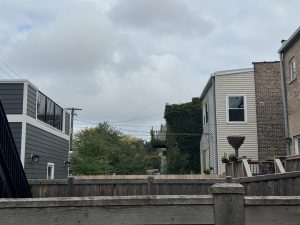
[(104, 150), (184, 130)]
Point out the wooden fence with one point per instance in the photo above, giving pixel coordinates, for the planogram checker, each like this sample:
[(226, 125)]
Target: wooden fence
[(124, 186), (285, 184), (226, 205)]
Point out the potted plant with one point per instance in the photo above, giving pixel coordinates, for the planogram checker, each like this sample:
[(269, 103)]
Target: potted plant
[(233, 158)]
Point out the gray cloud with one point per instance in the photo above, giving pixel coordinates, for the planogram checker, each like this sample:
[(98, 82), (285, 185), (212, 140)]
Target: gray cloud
[(164, 17), (119, 60)]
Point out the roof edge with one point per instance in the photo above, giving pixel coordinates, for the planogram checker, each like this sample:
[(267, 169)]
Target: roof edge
[(227, 72), (18, 81), (288, 43)]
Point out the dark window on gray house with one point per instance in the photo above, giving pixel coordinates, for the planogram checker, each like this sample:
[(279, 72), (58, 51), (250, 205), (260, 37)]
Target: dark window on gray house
[(58, 117), (236, 109), (49, 112), (41, 107)]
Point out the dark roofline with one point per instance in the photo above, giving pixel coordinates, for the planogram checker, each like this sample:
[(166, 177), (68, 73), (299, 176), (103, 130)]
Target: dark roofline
[(287, 44)]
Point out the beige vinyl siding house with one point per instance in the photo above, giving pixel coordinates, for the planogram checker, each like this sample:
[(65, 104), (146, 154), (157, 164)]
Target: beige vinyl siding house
[(232, 111), (228, 85)]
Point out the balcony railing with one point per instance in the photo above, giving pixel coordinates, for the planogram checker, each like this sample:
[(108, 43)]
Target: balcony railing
[(13, 182)]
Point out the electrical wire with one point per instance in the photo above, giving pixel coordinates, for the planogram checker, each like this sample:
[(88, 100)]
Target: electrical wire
[(11, 69), (3, 70)]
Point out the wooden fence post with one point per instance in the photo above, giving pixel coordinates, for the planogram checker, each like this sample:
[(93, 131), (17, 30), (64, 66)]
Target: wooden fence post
[(229, 203), (70, 187), (150, 185)]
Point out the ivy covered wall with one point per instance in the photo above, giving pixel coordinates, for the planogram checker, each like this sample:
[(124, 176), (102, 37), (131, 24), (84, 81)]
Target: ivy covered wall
[(184, 130)]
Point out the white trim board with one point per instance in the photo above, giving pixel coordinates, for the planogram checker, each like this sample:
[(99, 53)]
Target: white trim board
[(39, 124)]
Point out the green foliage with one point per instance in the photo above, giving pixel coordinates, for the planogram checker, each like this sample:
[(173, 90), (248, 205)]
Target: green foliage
[(104, 150), (184, 129), (206, 171)]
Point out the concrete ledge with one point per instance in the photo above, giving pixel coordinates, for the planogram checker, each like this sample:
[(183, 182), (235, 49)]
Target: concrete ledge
[(227, 188), (108, 201), (272, 200)]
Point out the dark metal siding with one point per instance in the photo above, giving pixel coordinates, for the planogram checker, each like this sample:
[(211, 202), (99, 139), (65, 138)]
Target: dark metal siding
[(67, 123), (16, 129), (31, 102), (50, 148), (11, 95)]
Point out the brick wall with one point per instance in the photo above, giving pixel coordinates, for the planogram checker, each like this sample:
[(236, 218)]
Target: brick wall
[(269, 107), (293, 93)]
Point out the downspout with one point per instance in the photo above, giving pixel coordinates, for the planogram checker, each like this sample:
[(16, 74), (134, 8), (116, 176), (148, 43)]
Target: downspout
[(215, 119), (285, 106)]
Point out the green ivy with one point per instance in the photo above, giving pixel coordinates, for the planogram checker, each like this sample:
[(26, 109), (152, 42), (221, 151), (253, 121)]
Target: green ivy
[(184, 130)]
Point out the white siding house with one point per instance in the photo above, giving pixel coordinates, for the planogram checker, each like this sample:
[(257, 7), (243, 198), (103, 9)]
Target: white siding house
[(231, 110)]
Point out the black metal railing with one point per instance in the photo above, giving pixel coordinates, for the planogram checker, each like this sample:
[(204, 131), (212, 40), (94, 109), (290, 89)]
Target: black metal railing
[(14, 182)]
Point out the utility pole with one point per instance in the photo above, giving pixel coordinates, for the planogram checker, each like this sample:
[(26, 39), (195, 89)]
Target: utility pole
[(72, 125)]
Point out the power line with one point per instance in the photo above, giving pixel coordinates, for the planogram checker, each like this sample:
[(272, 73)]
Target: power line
[(138, 118), (115, 125), (6, 72), (11, 69)]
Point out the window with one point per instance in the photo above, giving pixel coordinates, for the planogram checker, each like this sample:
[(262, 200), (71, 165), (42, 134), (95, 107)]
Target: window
[(236, 109), (205, 114), (58, 117), (49, 112), (50, 170), (41, 107), (297, 145), (292, 69)]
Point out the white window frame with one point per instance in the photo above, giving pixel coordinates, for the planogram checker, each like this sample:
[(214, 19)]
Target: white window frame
[(292, 68), (205, 115), (245, 108), (297, 145), (51, 165)]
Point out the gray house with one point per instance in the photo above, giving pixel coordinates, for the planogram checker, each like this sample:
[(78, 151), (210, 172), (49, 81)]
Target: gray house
[(41, 129)]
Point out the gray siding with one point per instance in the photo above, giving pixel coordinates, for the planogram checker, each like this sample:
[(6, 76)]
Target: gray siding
[(31, 101), (16, 129), (11, 96), (50, 148), (208, 140), (67, 123)]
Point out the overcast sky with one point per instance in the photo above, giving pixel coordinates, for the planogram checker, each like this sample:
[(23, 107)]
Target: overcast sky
[(123, 60)]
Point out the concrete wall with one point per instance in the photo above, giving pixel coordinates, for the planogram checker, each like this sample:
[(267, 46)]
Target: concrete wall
[(226, 206), (269, 108)]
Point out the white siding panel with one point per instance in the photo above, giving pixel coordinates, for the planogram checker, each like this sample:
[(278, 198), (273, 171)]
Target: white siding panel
[(208, 140), (236, 84)]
